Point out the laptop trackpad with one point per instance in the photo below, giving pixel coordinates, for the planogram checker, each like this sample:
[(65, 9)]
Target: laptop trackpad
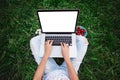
[(56, 51)]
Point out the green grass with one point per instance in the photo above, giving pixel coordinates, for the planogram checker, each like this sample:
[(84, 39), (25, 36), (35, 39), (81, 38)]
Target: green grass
[(18, 22)]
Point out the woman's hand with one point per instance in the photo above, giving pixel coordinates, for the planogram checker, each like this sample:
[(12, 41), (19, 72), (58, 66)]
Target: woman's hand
[(41, 67), (48, 48), (65, 50), (70, 68)]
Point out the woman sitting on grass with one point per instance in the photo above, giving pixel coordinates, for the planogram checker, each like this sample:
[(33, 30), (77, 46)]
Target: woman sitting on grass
[(48, 69)]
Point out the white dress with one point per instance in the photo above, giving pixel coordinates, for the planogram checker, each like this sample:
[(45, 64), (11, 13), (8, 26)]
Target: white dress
[(56, 75)]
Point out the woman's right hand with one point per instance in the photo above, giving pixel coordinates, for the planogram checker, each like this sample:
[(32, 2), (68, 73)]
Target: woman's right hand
[(65, 50), (48, 48)]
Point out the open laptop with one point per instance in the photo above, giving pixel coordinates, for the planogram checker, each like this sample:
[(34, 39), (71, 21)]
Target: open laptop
[(58, 25)]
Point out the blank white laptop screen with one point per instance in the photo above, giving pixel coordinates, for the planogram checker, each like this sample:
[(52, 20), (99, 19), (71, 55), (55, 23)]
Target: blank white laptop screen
[(58, 21)]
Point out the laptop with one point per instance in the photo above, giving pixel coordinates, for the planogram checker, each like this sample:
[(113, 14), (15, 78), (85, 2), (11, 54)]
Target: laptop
[(58, 25)]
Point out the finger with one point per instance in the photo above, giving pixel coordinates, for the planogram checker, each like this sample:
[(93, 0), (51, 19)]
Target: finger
[(68, 45), (51, 42), (47, 41), (61, 44), (64, 44)]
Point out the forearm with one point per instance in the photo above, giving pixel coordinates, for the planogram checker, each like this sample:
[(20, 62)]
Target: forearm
[(71, 71), (40, 69)]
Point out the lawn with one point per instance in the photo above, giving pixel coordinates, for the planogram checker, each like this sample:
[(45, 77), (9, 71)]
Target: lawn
[(19, 21)]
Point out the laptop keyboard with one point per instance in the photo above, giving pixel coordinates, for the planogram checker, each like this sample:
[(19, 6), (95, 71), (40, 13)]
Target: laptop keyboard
[(58, 39)]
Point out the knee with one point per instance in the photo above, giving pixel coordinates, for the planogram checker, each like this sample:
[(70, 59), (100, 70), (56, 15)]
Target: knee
[(82, 40), (35, 39), (34, 44), (86, 41)]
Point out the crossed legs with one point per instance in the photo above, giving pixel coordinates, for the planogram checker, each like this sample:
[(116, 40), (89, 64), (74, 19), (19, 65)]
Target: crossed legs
[(81, 43)]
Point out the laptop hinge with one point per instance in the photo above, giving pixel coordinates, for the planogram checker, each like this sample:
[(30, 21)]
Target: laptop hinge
[(58, 33)]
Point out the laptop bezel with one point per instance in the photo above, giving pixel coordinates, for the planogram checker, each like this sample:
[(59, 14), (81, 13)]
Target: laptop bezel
[(54, 11)]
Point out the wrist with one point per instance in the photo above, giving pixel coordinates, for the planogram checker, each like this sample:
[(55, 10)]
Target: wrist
[(45, 56), (67, 59)]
